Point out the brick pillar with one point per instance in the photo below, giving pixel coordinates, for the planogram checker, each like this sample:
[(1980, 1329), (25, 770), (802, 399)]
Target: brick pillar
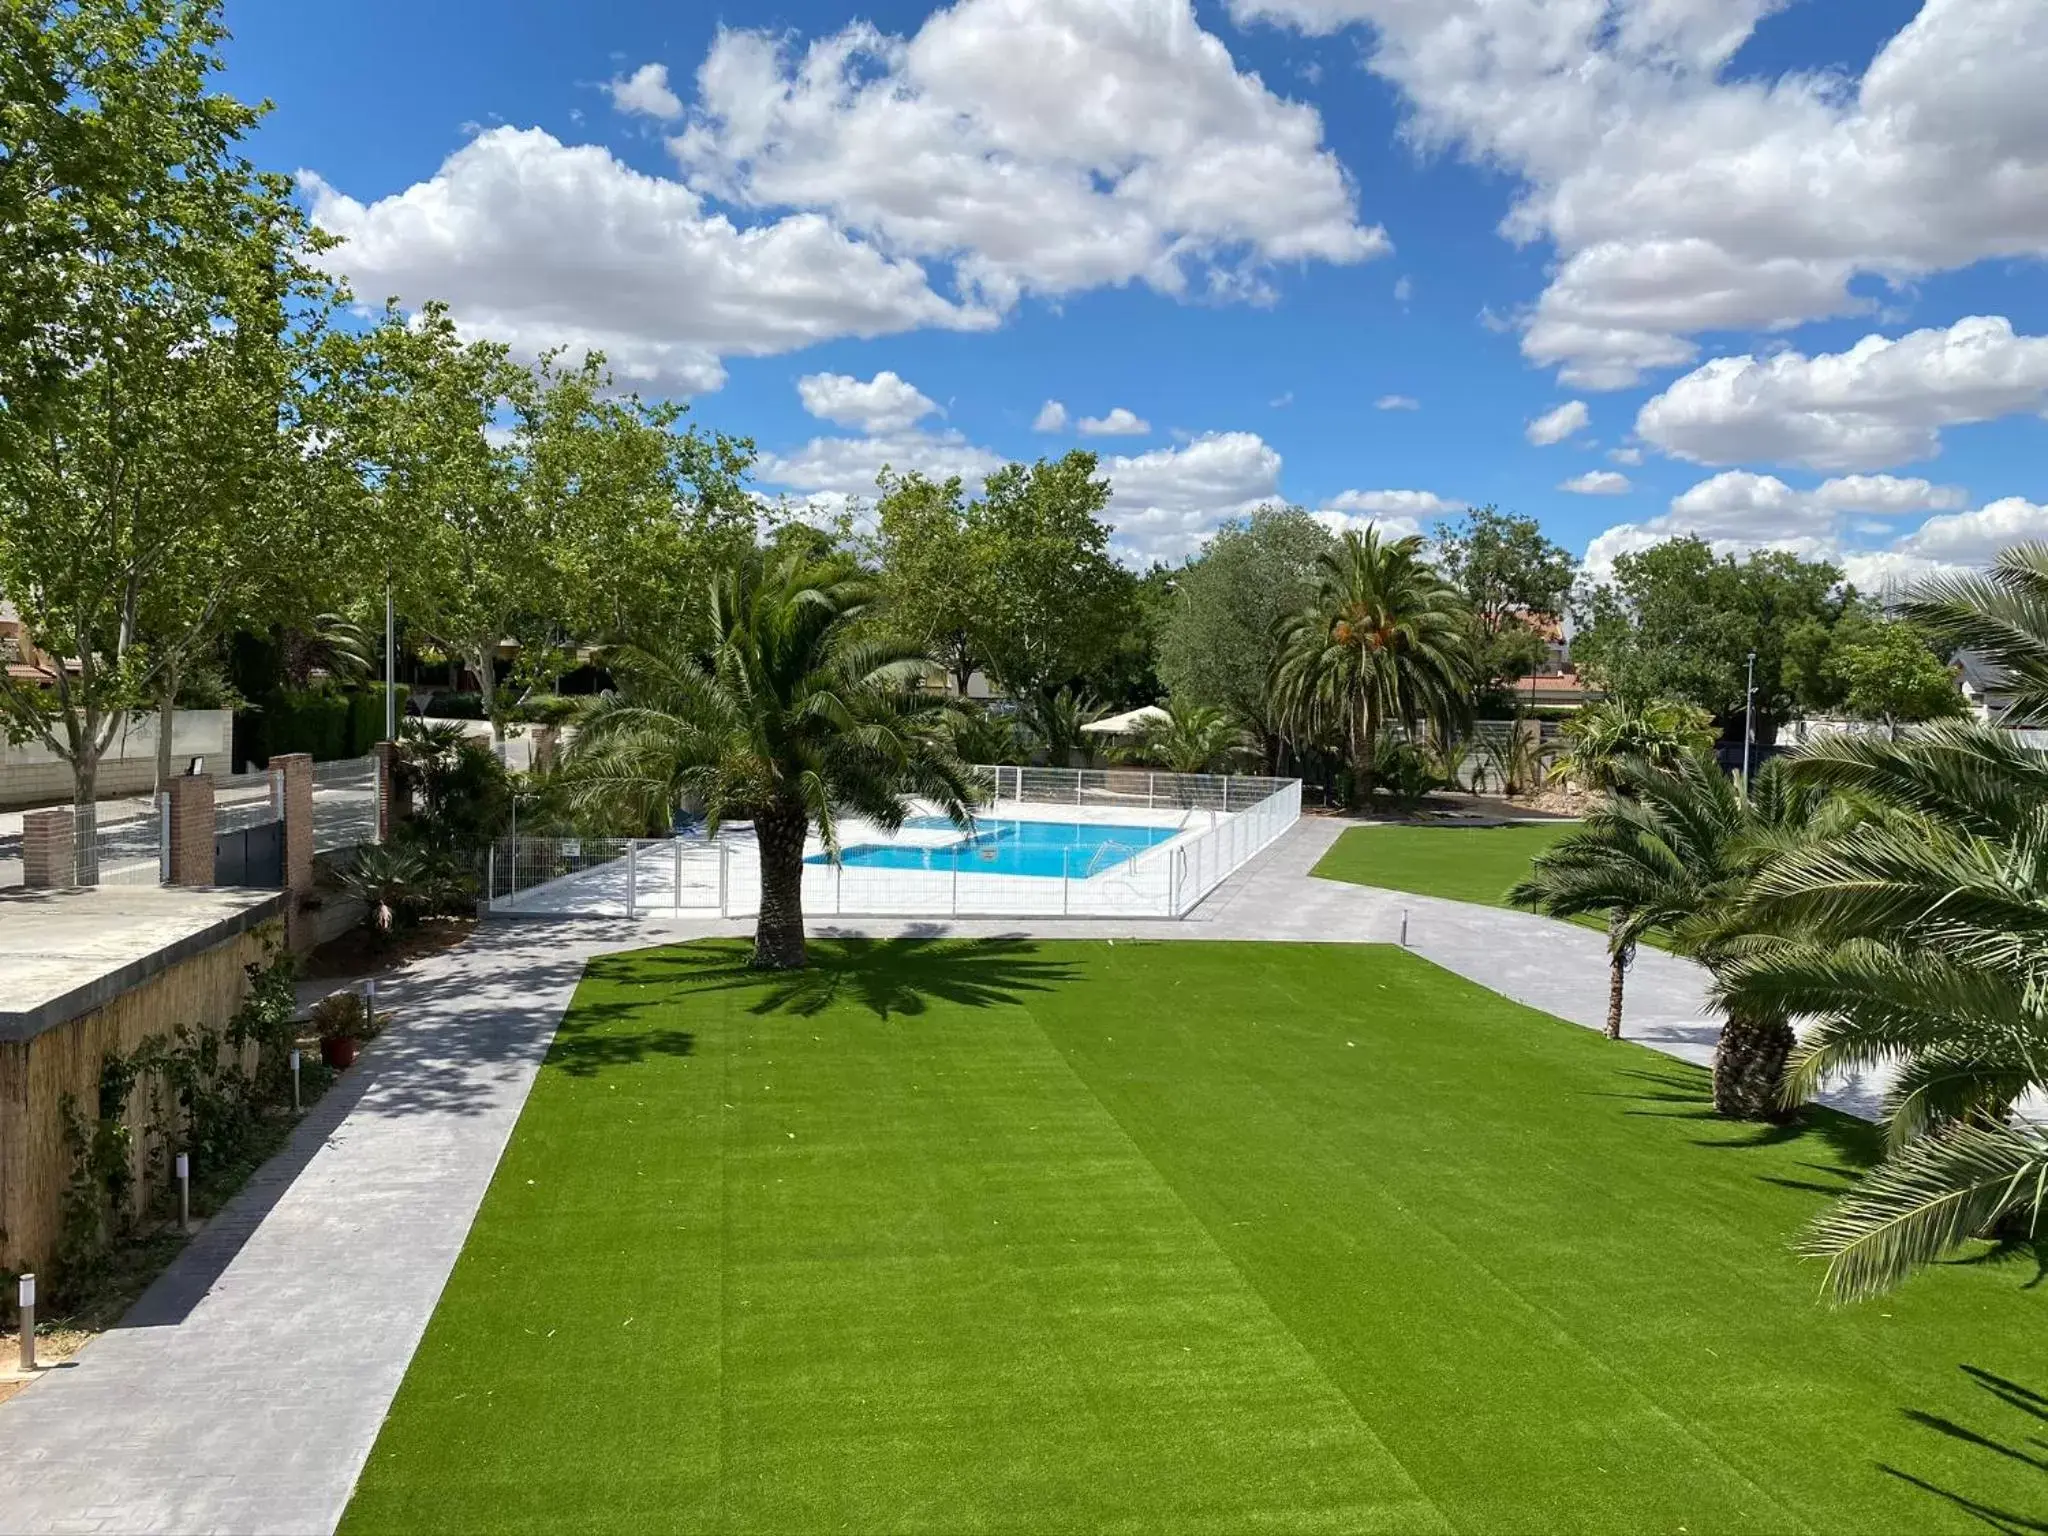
[(546, 741), (192, 828), (389, 812), (296, 770), (46, 848)]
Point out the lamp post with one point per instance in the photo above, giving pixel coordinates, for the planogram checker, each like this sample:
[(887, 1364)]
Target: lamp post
[(1748, 718), (390, 666)]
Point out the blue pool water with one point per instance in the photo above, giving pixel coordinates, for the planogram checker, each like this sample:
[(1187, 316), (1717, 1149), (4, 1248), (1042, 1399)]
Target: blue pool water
[(1049, 848)]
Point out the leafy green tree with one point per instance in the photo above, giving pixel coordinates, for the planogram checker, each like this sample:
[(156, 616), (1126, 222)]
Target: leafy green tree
[(1915, 939), (935, 571), (160, 308), (1219, 630), (1052, 599), (1889, 674), (1385, 640), (1678, 622), (794, 715), (537, 505), (1514, 577)]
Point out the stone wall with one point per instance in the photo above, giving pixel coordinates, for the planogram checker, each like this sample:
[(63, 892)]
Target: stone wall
[(35, 1074)]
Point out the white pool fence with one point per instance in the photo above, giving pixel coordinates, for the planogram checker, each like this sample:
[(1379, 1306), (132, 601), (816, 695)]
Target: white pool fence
[(1218, 824)]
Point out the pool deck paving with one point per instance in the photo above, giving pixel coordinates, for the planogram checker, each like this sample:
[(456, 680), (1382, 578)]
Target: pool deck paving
[(245, 1389)]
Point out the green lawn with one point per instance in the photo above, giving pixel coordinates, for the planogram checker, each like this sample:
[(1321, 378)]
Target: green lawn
[(1461, 863), (1180, 1237)]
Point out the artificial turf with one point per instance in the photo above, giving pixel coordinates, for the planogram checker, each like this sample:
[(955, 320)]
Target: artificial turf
[(1477, 864), (1034, 1237)]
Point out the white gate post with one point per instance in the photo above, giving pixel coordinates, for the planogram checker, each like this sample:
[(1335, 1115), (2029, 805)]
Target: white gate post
[(956, 885), (724, 859), (678, 902), (490, 881), (1150, 779), (838, 889), (1226, 794), (1066, 881), (632, 873)]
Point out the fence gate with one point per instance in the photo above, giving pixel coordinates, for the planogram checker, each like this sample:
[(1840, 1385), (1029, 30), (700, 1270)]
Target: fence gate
[(252, 855)]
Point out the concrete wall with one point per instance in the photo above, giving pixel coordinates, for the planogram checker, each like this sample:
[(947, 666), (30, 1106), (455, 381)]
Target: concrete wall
[(32, 774), (35, 1074)]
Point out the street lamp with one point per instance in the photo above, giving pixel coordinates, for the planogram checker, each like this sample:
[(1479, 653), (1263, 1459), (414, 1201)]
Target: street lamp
[(1748, 718)]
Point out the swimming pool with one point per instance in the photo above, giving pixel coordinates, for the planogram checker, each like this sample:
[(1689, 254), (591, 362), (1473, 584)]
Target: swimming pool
[(1045, 848)]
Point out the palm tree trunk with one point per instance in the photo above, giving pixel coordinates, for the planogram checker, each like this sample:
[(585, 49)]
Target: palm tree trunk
[(1749, 1066), (779, 929), (1618, 960)]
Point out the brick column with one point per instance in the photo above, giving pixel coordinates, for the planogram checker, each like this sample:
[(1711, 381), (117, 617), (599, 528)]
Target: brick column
[(546, 741), (389, 812), (47, 844), (192, 828), (296, 769)]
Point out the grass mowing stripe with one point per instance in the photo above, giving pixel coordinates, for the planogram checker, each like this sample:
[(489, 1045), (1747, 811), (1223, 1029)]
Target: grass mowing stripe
[(1036, 1237), (1639, 1433), (957, 1300), (1653, 1232)]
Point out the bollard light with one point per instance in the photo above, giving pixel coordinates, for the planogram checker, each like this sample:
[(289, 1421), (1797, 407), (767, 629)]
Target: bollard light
[(25, 1303), (1404, 927), (295, 1077), (184, 1193)]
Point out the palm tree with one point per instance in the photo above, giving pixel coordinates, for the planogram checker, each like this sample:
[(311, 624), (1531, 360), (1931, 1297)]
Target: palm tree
[(1918, 938), (1190, 738), (1672, 851), (1387, 639), (796, 713), (1054, 720), (1602, 736), (2002, 613)]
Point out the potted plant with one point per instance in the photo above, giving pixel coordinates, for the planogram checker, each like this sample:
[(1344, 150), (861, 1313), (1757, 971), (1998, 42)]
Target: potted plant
[(343, 1022)]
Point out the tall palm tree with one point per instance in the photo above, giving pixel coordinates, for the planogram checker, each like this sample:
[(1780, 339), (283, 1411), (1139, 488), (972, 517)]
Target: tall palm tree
[(1918, 938), (1192, 738), (796, 713), (1610, 746), (1672, 851), (1387, 639)]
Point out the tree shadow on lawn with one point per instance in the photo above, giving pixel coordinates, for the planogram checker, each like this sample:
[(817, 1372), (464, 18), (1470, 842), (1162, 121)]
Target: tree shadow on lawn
[(2025, 1443), (889, 978), (1687, 1093)]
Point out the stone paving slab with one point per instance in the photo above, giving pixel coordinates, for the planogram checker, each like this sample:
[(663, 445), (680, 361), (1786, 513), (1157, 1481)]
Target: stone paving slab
[(245, 1390)]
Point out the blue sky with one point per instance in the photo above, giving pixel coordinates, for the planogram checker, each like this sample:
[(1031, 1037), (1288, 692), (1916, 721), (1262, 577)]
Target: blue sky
[(1768, 272)]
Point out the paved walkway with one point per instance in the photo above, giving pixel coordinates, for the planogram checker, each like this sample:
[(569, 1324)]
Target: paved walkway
[(245, 1390)]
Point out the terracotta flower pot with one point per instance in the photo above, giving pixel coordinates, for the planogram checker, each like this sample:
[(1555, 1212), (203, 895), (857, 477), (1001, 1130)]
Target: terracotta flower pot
[(339, 1051)]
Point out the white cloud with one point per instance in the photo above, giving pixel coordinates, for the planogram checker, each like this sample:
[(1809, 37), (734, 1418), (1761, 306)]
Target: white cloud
[(1738, 511), (541, 244), (827, 472), (1630, 456), (1409, 505), (1681, 196), (1166, 502), (1404, 289), (1598, 482), (1039, 146), (1555, 426), (1396, 514), (885, 403), (1972, 538), (1397, 403), (647, 93), (1118, 423), (1880, 403), (1051, 417)]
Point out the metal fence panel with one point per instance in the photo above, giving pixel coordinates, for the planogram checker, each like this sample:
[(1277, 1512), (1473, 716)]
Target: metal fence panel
[(1218, 826)]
